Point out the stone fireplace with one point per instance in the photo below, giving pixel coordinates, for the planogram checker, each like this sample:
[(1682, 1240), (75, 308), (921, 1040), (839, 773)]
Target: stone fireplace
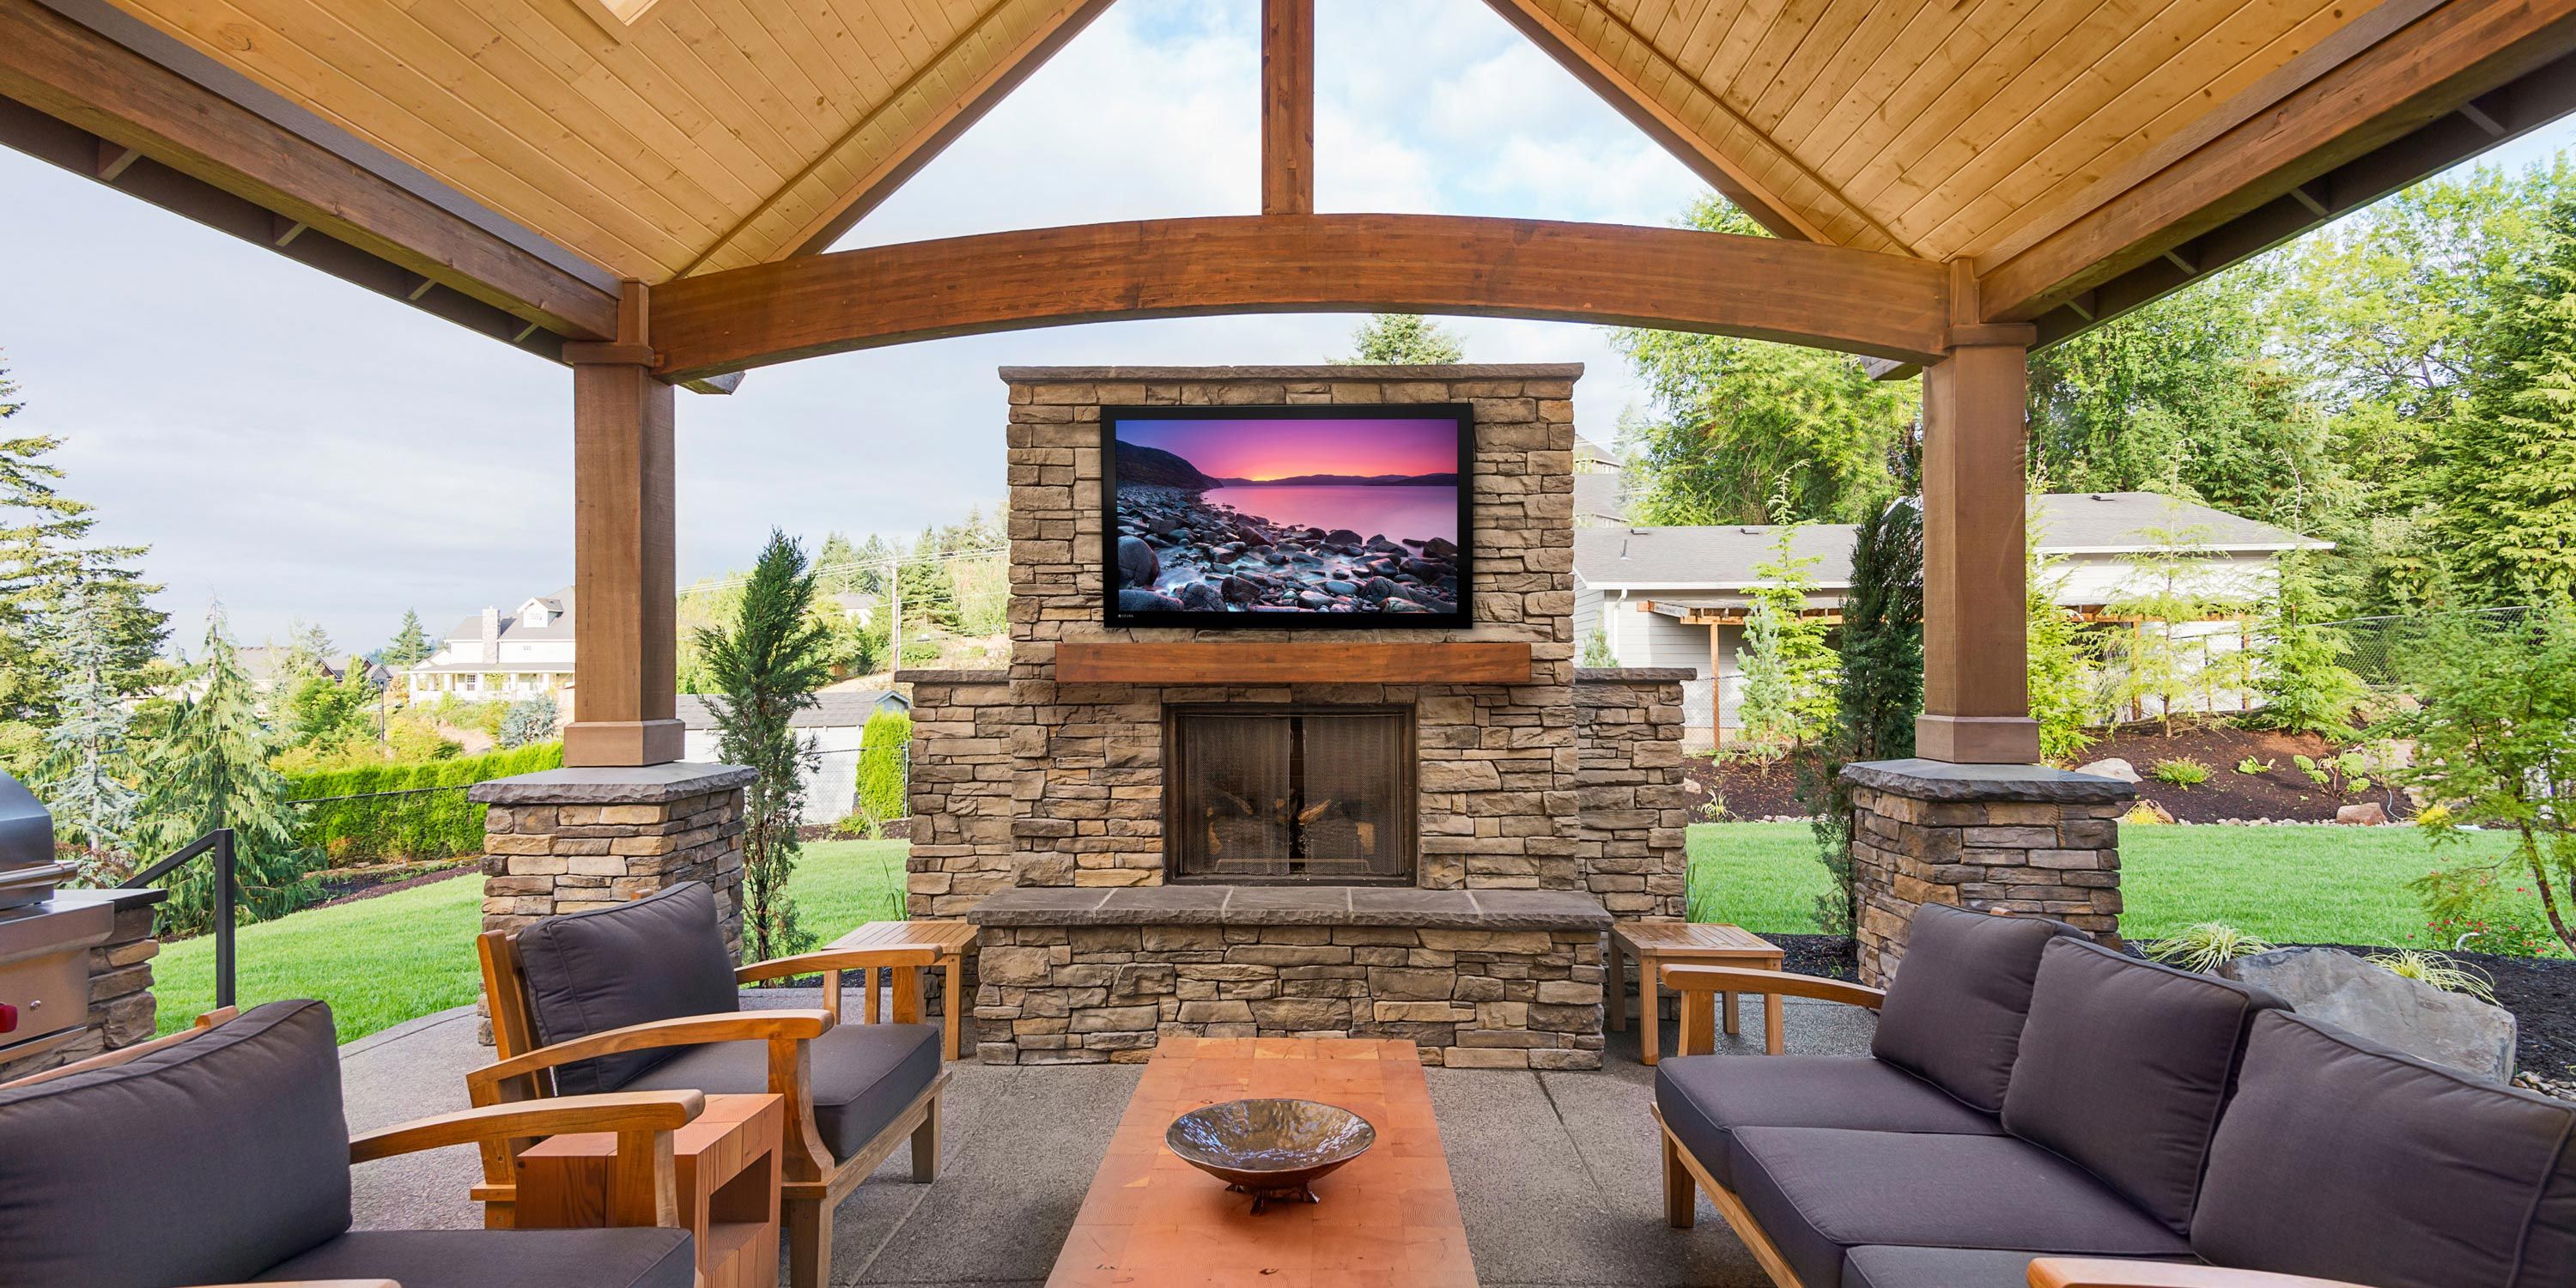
[(1261, 832)]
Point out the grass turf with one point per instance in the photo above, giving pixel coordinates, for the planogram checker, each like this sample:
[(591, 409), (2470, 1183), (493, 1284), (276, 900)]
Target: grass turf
[(2299, 883), (382, 961)]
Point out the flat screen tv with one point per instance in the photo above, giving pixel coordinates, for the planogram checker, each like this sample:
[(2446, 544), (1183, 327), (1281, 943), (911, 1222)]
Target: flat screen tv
[(1309, 516)]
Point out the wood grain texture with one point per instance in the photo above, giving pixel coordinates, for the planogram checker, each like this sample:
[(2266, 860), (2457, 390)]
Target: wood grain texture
[(1732, 979), (1287, 107), (1676, 279), (1976, 700), (1297, 662), (1739, 1219), (725, 1168), (646, 1111), (1387, 1217), (2087, 1272), (626, 636)]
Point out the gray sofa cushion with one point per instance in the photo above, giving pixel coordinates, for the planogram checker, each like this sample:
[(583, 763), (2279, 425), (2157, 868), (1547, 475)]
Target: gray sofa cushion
[(864, 1074), (1885, 1267), (1954, 1012), (207, 1161), (1704, 1098), (651, 1257), (1817, 1191), (2124, 1068), (2342, 1159), (658, 958)]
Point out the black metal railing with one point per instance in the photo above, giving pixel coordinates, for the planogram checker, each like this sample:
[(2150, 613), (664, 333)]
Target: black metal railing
[(220, 843)]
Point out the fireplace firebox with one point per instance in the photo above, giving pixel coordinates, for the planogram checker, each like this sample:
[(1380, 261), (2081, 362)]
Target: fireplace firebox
[(1289, 794)]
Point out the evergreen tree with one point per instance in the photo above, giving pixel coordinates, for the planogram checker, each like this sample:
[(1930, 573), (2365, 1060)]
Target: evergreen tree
[(1597, 651), (766, 666), (325, 713), (2508, 508), (45, 551), (84, 777), (2153, 661), (211, 771), (410, 646), (1402, 339), (531, 719), (2061, 666), (2299, 671), (1879, 693), (1789, 672), (928, 588)]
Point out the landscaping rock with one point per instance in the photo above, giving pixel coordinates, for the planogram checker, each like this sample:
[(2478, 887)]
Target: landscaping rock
[(2146, 812), (2112, 767), (2365, 814), (2449, 1029), (1137, 563)]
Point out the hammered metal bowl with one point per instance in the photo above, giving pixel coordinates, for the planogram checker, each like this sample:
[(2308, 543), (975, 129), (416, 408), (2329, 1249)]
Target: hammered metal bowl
[(1270, 1149)]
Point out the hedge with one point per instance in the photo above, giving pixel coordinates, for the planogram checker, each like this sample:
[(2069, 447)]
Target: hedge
[(883, 747), (423, 825)]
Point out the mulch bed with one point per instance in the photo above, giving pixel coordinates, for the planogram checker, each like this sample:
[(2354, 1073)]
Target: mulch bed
[(353, 885)]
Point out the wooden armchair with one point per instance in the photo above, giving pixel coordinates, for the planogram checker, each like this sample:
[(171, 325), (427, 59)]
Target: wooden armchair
[(1700, 986), (834, 1138)]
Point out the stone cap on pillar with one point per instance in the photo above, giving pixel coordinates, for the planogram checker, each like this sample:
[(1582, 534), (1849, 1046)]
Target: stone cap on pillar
[(1940, 780), (612, 785)]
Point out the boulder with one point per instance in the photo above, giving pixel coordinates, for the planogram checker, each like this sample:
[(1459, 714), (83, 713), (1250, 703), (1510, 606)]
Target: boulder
[(1137, 565), (2110, 767), (2365, 814), (1198, 596), (2146, 812), (1132, 600), (2453, 1030)]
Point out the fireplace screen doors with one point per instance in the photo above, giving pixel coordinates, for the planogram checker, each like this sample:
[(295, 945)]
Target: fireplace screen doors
[(1289, 794)]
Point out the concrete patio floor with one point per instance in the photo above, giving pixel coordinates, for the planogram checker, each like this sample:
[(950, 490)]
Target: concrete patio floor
[(1556, 1173)]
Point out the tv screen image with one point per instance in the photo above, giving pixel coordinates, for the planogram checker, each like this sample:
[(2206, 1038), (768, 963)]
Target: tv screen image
[(1287, 516)]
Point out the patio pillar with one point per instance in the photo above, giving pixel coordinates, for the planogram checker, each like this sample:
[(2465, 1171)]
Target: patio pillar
[(1976, 692), (625, 580)]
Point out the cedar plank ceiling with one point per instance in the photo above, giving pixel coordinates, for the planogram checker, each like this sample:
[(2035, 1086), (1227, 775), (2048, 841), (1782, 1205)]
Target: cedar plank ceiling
[(711, 134)]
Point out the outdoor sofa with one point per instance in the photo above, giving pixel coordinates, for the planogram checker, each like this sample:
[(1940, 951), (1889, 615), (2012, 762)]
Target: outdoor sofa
[(220, 1156), (645, 996), (2033, 1095)]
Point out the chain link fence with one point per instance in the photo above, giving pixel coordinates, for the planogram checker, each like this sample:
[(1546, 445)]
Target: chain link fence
[(2381, 649)]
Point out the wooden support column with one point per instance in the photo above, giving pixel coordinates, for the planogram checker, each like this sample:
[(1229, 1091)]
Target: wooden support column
[(1287, 107), (625, 578), (1976, 681)]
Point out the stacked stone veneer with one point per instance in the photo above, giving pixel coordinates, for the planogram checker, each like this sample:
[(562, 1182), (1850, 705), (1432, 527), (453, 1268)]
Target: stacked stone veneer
[(1630, 802), (1992, 838), (122, 1011)]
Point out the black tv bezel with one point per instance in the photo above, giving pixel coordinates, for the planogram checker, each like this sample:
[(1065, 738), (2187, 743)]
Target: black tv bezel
[(1460, 414)]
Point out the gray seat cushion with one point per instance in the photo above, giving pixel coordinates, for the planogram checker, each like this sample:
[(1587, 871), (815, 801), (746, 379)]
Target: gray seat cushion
[(651, 1257), (207, 1161), (1817, 1191), (2124, 1068), (1704, 1098), (1883, 1267), (2342, 1159), (1954, 1011), (864, 1074), (658, 958)]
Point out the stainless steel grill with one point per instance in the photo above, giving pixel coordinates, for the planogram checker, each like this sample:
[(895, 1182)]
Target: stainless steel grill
[(44, 941)]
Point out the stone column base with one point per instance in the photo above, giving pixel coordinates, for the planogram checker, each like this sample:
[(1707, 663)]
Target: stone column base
[(1992, 838), (570, 840)]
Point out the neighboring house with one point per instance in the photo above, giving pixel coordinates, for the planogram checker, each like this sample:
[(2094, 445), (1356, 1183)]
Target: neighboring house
[(495, 656), (1600, 500), (1592, 458), (832, 727), (262, 665), (1678, 597)]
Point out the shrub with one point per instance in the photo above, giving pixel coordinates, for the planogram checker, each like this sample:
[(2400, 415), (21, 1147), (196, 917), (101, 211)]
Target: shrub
[(884, 746), (2181, 771), (2473, 908), (2205, 947), (2438, 970), (420, 825), (2250, 766)]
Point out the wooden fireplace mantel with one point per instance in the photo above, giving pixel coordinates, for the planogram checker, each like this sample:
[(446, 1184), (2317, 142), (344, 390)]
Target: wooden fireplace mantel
[(1292, 662)]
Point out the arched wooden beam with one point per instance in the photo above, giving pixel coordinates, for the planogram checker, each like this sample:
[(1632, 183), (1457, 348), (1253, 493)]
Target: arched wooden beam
[(1885, 306)]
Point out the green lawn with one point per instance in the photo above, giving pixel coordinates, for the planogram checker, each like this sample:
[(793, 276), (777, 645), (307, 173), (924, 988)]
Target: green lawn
[(381, 961), (2290, 884)]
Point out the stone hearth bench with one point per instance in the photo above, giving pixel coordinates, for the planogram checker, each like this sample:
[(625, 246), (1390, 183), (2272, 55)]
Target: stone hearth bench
[(1502, 979)]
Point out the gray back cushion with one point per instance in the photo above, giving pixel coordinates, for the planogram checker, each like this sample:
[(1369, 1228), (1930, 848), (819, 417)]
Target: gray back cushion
[(207, 1161), (658, 958), (2342, 1159), (1954, 1013), (2124, 1068)]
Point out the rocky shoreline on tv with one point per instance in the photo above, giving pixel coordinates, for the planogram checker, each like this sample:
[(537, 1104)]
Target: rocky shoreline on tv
[(1287, 516)]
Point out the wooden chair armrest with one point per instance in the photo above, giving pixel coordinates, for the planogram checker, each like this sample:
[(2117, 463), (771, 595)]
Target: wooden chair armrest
[(686, 1030), (622, 1111), (111, 1059), (311, 1283), (835, 959), (1736, 979), (2094, 1272)]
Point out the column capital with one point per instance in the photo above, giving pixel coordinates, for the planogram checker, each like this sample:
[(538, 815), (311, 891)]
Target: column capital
[(609, 354), (1973, 335)]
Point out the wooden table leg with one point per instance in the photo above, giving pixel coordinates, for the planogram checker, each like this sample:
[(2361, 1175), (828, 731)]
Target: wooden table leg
[(1617, 992), (1648, 1022), (1734, 1021), (868, 985), (948, 1002), (1773, 1039)]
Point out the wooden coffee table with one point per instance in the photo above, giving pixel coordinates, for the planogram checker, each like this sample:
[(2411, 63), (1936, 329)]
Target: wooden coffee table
[(950, 938), (1660, 943), (1387, 1218), (727, 1164)]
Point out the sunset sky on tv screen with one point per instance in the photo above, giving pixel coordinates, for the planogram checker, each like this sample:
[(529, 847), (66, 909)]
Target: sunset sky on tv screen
[(1276, 449)]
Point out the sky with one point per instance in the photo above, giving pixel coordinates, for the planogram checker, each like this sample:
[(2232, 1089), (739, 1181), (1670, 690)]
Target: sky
[(307, 451), (1259, 450)]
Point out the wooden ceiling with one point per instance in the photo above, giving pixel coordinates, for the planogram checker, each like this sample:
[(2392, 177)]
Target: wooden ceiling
[(663, 138)]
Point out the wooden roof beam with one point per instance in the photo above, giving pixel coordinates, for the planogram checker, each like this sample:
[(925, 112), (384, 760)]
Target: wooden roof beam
[(1287, 107), (1767, 288), (213, 158), (2315, 122)]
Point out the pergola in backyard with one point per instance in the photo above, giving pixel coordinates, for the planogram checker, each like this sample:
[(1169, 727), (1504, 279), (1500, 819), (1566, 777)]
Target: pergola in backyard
[(646, 190)]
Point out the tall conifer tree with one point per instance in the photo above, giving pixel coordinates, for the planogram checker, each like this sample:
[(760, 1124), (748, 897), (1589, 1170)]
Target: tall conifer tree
[(86, 764), (765, 667), (211, 771)]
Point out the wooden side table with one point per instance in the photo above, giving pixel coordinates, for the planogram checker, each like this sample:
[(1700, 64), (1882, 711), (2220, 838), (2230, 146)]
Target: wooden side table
[(727, 1162), (949, 938), (1656, 943)]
